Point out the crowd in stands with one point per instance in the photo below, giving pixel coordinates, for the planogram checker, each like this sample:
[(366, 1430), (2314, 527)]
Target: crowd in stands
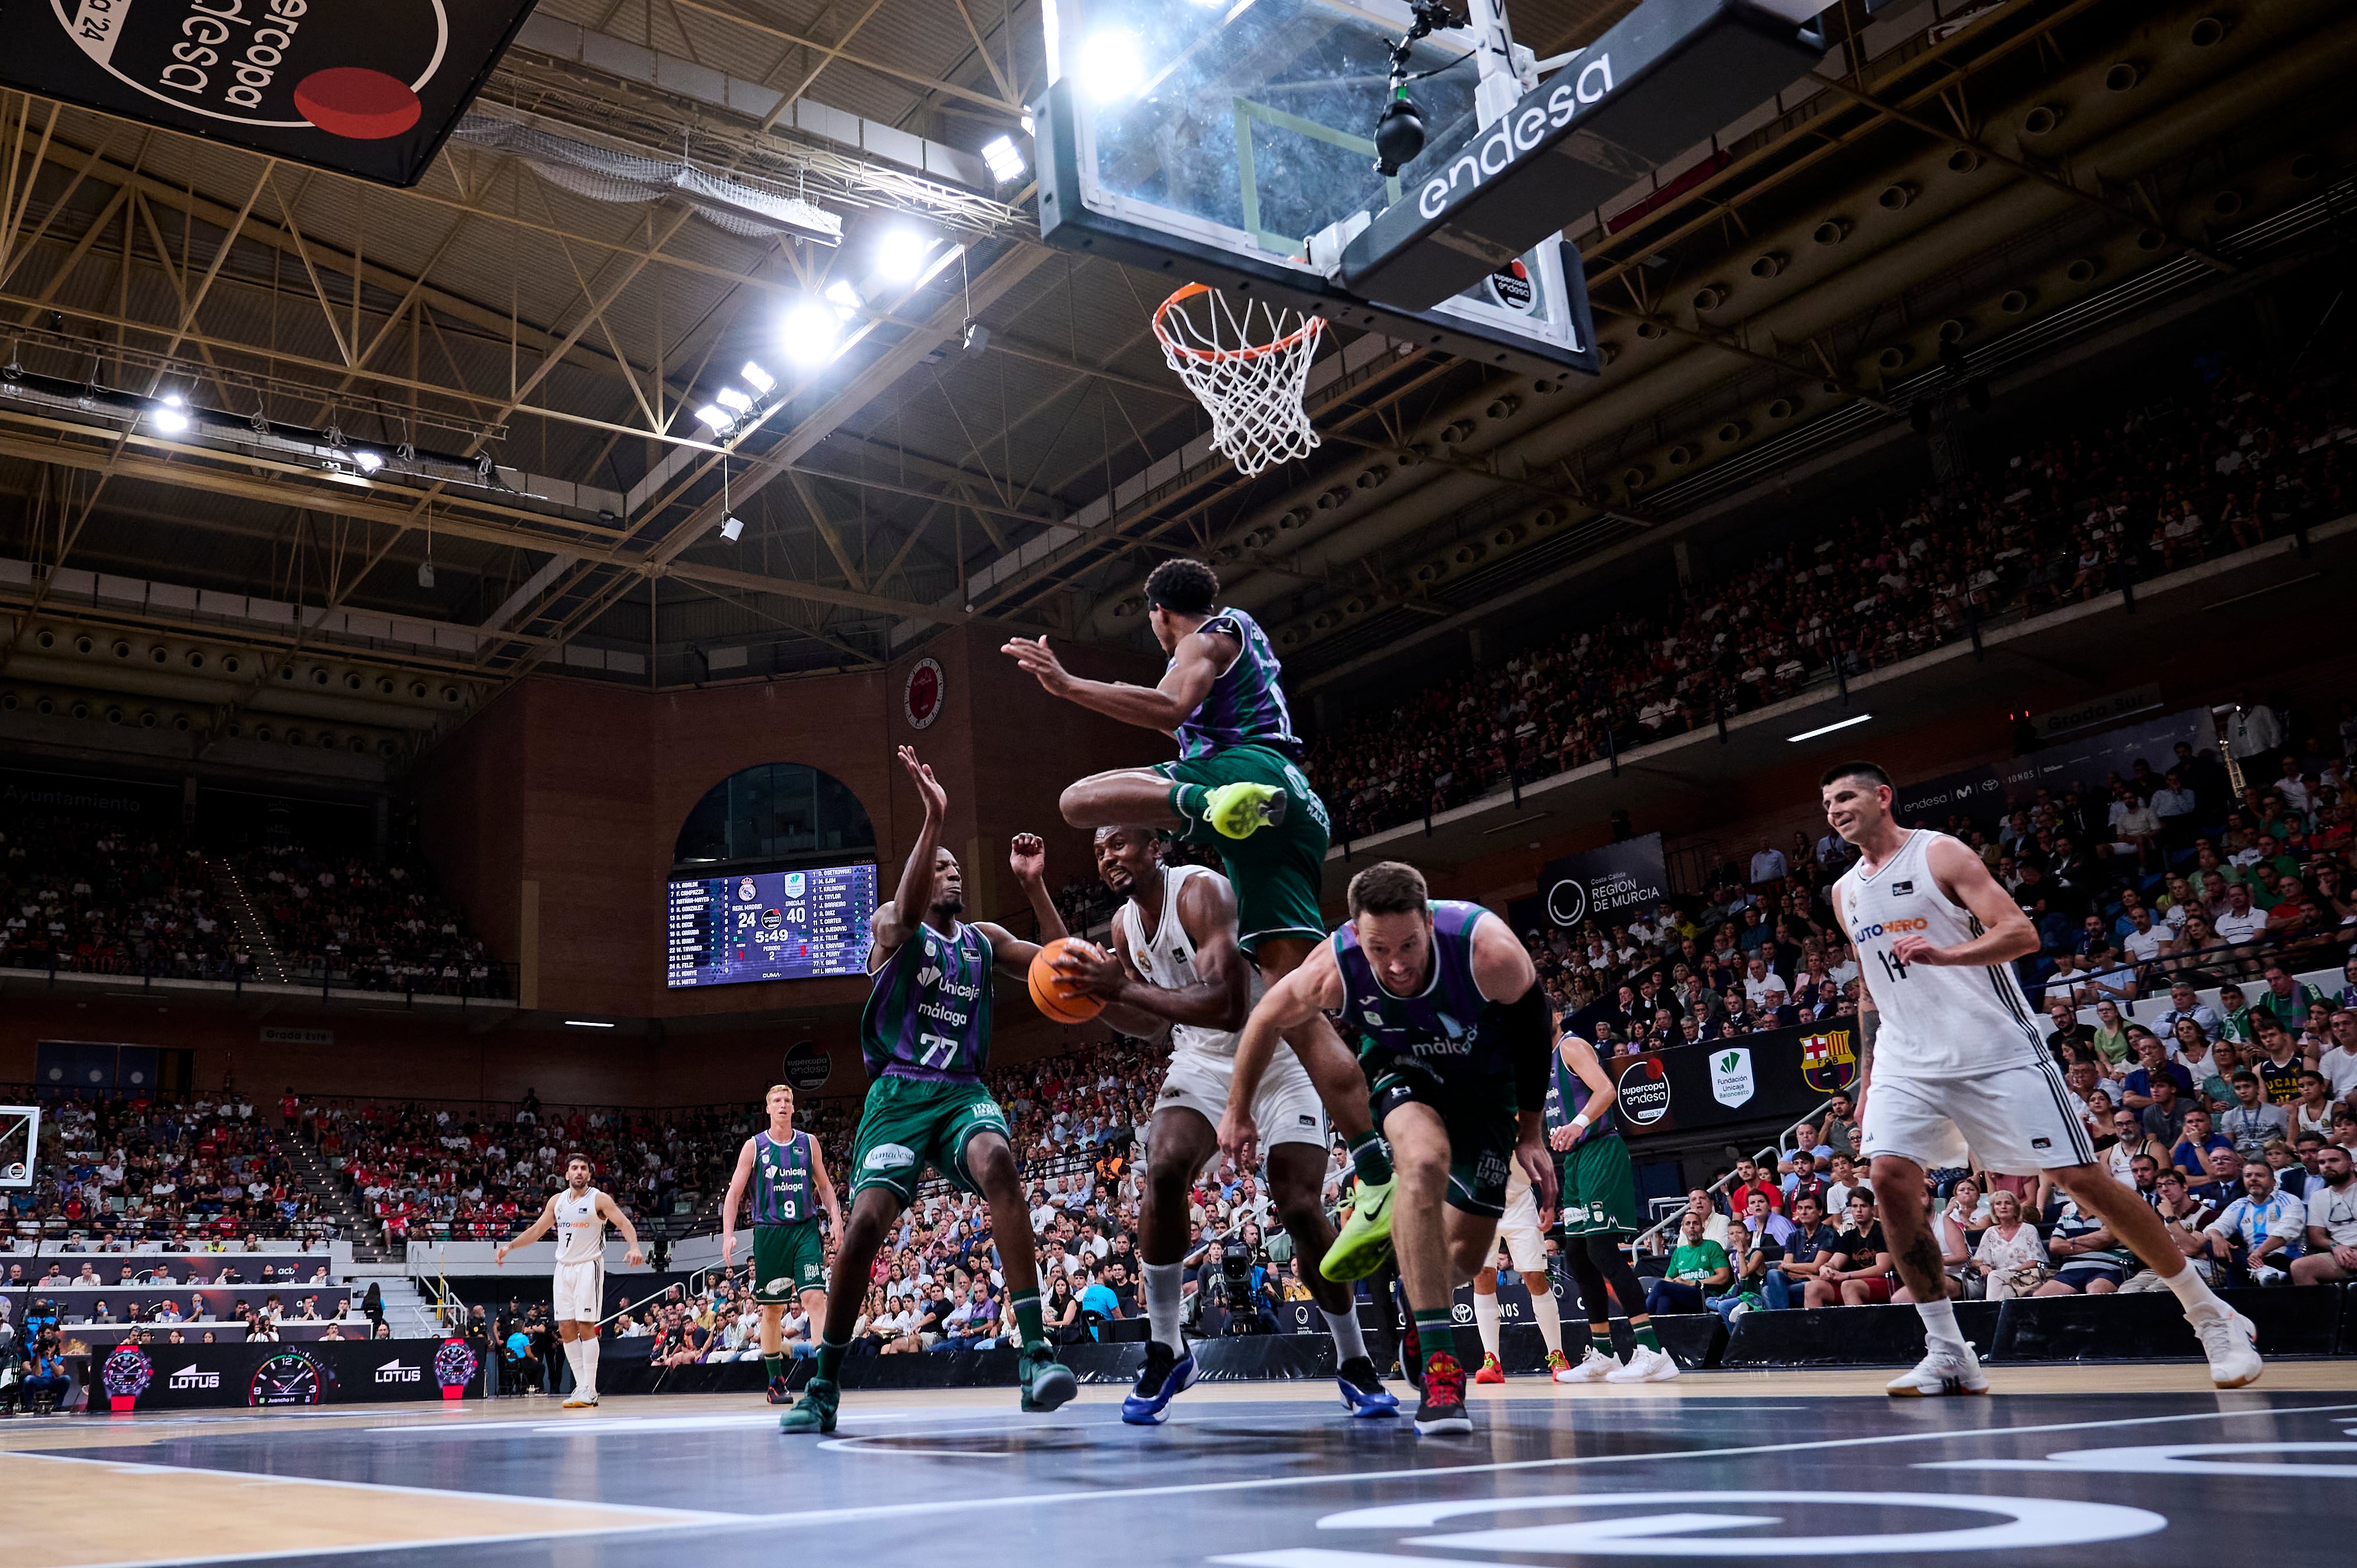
[(370, 925), (155, 1173), (2190, 479), (102, 898)]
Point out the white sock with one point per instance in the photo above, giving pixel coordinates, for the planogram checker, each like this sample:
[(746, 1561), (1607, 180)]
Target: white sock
[(572, 1360), (1940, 1322), (2193, 1293), (1349, 1343), (584, 1369), (1166, 1292), (1550, 1320), (1485, 1318)]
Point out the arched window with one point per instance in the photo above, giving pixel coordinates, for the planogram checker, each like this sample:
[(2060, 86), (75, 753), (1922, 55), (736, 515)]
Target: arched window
[(776, 815)]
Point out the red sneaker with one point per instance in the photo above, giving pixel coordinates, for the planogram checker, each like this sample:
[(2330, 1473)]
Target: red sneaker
[(1442, 1406), (1491, 1371)]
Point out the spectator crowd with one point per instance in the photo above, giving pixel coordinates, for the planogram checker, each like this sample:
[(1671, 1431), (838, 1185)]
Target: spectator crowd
[(102, 898)]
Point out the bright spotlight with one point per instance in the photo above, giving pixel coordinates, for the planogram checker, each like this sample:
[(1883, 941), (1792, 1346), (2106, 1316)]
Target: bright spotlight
[(809, 332), (1110, 64), (734, 401), (366, 461), (761, 381), (171, 417), (901, 255), (732, 527), (1006, 162), (715, 419), (844, 297)]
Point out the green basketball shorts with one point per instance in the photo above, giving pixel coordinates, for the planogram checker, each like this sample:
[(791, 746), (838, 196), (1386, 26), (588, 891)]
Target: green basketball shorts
[(1482, 1129), (1277, 871), (787, 1260), (1600, 1188), (913, 1122)]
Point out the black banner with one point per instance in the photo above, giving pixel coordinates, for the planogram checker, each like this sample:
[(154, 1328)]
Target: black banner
[(1785, 1074), (1612, 885), (1983, 794), (361, 1371), (808, 1067), (362, 87)]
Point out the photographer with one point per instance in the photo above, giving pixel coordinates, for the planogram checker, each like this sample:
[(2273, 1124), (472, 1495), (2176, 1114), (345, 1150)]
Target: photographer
[(43, 1372)]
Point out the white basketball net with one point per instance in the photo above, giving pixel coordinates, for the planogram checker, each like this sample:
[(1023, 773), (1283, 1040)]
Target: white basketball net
[(1250, 372)]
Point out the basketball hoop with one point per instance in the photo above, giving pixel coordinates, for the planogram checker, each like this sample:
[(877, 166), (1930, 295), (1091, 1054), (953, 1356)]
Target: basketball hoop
[(1250, 372)]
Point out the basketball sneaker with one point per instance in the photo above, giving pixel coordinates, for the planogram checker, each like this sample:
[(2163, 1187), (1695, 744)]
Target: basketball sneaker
[(2228, 1339), (1363, 1394), (777, 1392), (1491, 1371), (1366, 1237), (1442, 1408), (1594, 1368), (815, 1411), (1240, 809), (1555, 1365), (1645, 1365), (1945, 1369), (1047, 1382), (1166, 1375), (579, 1402)]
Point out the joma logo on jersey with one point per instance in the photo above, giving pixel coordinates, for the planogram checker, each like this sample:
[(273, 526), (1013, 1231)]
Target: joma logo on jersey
[(1865, 934)]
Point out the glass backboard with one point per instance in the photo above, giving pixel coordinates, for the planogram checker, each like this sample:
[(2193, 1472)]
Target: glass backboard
[(1233, 144)]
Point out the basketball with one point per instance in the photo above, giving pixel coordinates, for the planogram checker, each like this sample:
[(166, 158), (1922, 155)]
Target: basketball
[(1052, 993)]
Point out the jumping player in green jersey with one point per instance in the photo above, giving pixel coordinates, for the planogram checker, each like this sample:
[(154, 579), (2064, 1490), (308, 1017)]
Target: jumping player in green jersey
[(1453, 1031), (1600, 1213), (1236, 787), (789, 1183), (926, 1038)]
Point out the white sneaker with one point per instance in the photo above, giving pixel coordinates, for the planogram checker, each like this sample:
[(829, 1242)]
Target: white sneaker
[(1594, 1368), (1945, 1370), (1645, 1366), (2228, 1339), (578, 1402)]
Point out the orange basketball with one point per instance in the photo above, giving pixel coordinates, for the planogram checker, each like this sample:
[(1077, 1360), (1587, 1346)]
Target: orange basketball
[(1055, 995)]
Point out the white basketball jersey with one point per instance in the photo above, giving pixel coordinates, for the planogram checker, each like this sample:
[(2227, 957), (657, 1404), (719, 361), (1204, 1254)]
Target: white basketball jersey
[(580, 1233), (1168, 961), (1936, 1022)]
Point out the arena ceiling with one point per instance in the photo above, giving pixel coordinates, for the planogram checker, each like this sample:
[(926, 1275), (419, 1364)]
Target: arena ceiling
[(444, 436)]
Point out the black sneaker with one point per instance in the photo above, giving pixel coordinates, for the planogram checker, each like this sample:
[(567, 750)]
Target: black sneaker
[(1164, 1376), (1363, 1394), (1442, 1406)]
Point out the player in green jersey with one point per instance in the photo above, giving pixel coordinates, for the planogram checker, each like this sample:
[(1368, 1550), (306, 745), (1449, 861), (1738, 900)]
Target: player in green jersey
[(788, 1180), (926, 1038), (1600, 1213), (1236, 787)]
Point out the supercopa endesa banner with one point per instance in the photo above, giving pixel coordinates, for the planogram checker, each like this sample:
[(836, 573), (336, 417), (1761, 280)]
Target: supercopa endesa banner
[(364, 87)]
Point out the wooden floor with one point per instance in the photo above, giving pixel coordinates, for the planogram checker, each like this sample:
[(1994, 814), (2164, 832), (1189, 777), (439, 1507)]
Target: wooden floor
[(644, 1480)]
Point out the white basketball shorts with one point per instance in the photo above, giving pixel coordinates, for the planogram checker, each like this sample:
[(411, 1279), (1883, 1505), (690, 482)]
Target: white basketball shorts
[(1519, 1228), (2020, 1119), (580, 1291), (1286, 1107)]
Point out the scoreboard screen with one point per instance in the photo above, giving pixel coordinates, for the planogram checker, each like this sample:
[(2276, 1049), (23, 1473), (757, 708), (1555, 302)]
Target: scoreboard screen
[(770, 925)]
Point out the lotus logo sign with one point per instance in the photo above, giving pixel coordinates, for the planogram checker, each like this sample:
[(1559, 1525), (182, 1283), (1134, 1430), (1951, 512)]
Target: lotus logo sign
[(1731, 1080)]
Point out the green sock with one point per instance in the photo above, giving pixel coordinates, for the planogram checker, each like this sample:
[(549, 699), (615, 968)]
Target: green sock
[(1643, 1330), (1191, 802), (775, 1366), (830, 1359), (1027, 1322), (1369, 1159), (1600, 1335), (1436, 1335)]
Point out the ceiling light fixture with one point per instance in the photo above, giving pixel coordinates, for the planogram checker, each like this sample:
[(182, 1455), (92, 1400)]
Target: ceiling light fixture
[(732, 399), (171, 415), (586, 1023), (732, 527), (901, 254), (809, 332), (1828, 729), (1006, 162), (715, 419), (762, 383), (366, 461)]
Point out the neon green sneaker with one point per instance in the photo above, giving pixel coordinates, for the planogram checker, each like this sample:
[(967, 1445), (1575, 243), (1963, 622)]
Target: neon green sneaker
[(1239, 811), (815, 1411), (1366, 1238)]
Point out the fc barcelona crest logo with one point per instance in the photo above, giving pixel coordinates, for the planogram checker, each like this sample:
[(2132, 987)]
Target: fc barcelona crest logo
[(1828, 1061)]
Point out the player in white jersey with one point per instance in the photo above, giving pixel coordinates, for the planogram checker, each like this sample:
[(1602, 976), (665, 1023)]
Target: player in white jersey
[(1175, 967), (1958, 1064), (1525, 1245), (580, 1214)]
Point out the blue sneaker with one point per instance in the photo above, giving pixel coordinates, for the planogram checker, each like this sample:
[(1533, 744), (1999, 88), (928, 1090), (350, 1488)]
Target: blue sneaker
[(1363, 1394), (1166, 1375)]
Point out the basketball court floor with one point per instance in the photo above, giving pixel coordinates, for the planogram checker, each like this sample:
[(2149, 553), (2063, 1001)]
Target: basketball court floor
[(2070, 1465)]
